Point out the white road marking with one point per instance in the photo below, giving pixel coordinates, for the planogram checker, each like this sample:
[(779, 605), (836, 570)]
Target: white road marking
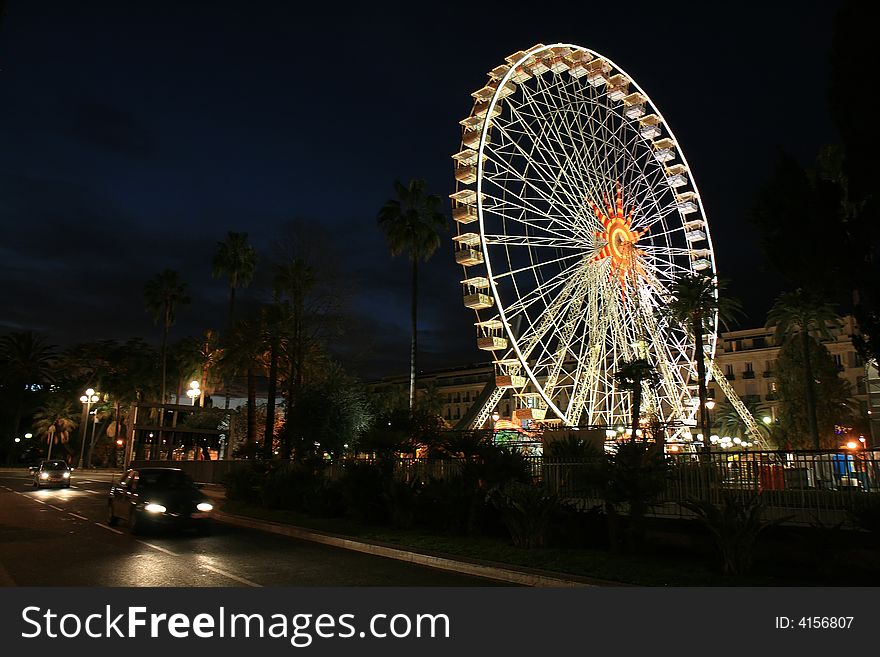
[(39, 501), (240, 580), (57, 508), (101, 524), (76, 515), (93, 492), (161, 549)]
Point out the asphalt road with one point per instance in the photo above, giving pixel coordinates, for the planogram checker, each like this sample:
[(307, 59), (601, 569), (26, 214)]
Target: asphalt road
[(59, 537)]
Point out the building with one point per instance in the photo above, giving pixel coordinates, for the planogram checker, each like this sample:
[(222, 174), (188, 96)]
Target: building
[(747, 357)]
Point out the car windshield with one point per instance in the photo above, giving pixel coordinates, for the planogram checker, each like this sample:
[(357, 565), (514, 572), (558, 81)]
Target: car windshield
[(55, 466), (165, 479)]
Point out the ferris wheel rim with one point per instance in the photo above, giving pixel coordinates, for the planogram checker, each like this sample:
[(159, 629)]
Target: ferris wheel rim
[(523, 359)]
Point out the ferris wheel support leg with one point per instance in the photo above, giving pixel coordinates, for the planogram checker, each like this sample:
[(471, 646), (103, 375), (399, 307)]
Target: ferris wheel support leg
[(487, 408), (750, 422)]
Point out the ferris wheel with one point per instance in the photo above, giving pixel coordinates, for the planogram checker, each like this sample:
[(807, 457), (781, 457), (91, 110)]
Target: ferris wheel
[(576, 213)]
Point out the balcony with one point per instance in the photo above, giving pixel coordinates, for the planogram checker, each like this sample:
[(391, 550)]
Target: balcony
[(748, 374), (767, 374), (730, 377)]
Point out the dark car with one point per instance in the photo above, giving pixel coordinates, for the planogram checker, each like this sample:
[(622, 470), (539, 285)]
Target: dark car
[(52, 473), (158, 497)]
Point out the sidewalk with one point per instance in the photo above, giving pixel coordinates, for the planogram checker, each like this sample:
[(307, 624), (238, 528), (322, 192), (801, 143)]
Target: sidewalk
[(491, 570)]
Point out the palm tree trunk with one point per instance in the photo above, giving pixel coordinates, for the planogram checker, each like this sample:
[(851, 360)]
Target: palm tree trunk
[(229, 332), (701, 382), (269, 432), (251, 405), (810, 391), (636, 408), (414, 342), (164, 360), (203, 384)]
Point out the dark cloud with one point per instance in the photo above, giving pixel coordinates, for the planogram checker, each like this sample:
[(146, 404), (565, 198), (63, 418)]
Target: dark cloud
[(111, 129)]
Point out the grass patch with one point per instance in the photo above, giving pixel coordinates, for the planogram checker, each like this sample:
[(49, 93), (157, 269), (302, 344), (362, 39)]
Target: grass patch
[(648, 570)]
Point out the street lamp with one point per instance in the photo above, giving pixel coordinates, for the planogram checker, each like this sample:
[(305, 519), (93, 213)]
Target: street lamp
[(495, 416), (89, 398), (193, 393)]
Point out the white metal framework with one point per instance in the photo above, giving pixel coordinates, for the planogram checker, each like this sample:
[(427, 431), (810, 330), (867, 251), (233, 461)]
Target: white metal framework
[(576, 212)]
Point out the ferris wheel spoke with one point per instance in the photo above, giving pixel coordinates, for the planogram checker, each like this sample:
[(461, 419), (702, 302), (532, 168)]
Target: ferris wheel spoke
[(533, 241), (551, 194), (533, 267), (522, 303)]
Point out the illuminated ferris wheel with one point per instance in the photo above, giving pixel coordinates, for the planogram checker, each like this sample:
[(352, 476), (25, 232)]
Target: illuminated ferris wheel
[(576, 212)]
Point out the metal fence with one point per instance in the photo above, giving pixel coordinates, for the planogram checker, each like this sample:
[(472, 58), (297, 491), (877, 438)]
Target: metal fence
[(805, 487)]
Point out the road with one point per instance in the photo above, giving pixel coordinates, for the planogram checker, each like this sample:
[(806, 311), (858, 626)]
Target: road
[(59, 537)]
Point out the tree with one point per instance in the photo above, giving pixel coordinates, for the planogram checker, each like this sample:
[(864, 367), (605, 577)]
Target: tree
[(797, 419), (236, 260), (26, 367), (162, 294), (242, 354), (332, 413), (804, 211), (632, 375), (54, 421), (696, 300), (412, 223), (798, 315), (728, 421)]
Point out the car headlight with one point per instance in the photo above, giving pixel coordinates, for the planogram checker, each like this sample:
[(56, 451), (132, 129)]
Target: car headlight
[(154, 508), (66, 475), (204, 506), (44, 475)]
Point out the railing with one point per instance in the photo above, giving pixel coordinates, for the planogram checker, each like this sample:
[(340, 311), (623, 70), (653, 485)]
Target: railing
[(805, 487)]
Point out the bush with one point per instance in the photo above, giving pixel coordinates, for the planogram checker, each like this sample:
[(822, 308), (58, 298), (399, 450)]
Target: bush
[(324, 499), (634, 478), (867, 516), (242, 484), (526, 512), (735, 525), (362, 490), (573, 527)]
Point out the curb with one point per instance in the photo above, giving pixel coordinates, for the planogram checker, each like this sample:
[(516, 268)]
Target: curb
[(487, 571)]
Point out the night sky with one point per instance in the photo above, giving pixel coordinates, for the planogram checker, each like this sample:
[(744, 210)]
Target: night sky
[(133, 136)]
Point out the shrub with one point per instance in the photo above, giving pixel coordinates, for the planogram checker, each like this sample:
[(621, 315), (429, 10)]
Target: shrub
[(866, 516), (242, 484), (634, 478), (734, 525), (526, 512), (362, 489)]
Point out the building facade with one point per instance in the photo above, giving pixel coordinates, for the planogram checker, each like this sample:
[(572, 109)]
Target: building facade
[(747, 357)]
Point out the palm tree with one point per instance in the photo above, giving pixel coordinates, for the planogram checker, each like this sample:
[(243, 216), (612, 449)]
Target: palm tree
[(242, 354), (803, 313), (412, 223), (55, 420), (728, 421), (273, 329), (696, 300), (293, 282), (26, 360), (632, 375), (162, 294), (236, 260)]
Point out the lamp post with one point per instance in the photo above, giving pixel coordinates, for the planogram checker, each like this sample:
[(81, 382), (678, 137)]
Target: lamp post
[(89, 398), (194, 392)]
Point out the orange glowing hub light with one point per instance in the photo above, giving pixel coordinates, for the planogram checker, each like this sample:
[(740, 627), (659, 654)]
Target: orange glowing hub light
[(620, 240)]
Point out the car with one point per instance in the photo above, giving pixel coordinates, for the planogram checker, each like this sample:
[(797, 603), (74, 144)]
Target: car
[(158, 497), (52, 473)]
